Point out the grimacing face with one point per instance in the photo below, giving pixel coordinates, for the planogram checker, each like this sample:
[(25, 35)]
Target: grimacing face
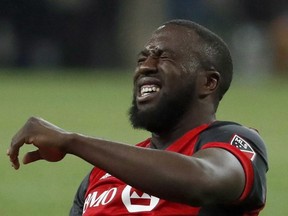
[(164, 81)]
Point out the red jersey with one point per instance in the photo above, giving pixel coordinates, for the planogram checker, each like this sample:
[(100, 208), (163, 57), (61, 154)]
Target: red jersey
[(103, 194)]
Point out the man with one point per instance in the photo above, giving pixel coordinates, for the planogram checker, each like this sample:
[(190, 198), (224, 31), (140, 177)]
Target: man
[(192, 164)]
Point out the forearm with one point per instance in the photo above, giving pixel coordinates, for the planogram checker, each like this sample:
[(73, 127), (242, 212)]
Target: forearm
[(209, 176), (160, 173)]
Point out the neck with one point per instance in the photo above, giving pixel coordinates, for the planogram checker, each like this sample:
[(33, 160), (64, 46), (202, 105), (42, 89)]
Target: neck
[(191, 120)]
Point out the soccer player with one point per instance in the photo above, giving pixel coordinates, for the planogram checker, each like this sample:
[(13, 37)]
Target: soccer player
[(193, 164)]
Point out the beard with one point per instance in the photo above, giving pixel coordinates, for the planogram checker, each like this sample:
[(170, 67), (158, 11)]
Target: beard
[(166, 114)]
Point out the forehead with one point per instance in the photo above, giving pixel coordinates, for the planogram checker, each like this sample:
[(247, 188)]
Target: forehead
[(173, 37)]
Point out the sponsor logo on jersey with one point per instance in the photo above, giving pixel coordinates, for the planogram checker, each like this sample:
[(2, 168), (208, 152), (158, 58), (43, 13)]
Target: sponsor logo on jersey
[(137, 201), (133, 199), (105, 176), (243, 146), (96, 199)]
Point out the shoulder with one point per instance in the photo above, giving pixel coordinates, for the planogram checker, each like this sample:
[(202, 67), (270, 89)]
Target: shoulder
[(234, 134), (222, 131), (247, 145)]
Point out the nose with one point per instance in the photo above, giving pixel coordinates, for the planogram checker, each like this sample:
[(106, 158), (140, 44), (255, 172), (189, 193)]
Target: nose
[(148, 66)]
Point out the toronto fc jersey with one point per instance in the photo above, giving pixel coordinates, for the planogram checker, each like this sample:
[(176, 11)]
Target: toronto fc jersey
[(103, 194)]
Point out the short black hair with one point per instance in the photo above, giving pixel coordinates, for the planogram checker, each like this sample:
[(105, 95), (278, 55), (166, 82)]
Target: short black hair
[(214, 53)]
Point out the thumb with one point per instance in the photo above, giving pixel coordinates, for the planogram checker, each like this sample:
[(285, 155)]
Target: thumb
[(31, 157)]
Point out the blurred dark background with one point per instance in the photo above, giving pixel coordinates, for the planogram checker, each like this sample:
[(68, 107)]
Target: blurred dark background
[(109, 33)]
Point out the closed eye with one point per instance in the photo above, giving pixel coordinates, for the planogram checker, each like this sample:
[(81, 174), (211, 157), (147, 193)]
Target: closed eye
[(167, 55), (164, 57), (141, 59), (142, 56)]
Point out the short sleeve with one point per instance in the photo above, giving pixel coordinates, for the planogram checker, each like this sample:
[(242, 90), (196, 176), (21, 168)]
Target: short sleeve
[(79, 199), (248, 147)]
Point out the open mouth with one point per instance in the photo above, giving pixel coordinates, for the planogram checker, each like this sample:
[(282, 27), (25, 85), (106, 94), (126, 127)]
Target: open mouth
[(148, 88)]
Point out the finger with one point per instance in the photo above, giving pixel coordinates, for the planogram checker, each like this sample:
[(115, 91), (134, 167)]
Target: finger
[(31, 157), (14, 148), (13, 158)]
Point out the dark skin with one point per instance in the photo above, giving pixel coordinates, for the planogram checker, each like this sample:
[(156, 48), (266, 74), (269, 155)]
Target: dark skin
[(210, 176)]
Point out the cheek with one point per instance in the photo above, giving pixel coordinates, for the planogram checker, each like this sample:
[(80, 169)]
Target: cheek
[(175, 75), (176, 81), (171, 73)]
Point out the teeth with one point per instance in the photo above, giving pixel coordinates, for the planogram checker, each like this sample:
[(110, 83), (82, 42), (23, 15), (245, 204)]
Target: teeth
[(145, 90)]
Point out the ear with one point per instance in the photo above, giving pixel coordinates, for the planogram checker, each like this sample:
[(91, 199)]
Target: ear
[(209, 82)]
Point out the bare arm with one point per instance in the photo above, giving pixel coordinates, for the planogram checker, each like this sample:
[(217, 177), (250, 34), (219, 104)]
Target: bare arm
[(210, 176)]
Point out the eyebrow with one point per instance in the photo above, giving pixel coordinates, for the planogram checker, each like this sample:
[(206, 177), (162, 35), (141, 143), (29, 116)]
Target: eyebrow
[(143, 52), (146, 52)]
